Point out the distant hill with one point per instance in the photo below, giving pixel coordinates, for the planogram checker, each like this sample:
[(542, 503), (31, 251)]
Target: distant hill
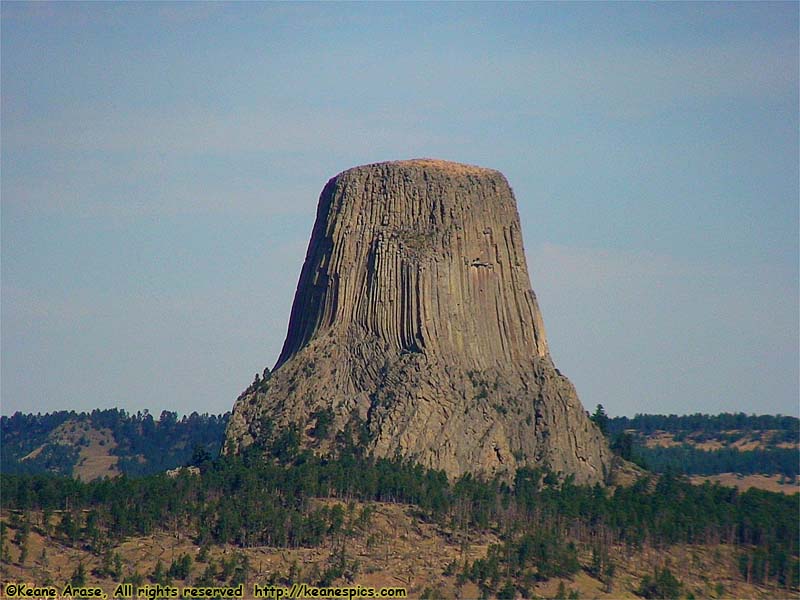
[(105, 443), (735, 449), (713, 444)]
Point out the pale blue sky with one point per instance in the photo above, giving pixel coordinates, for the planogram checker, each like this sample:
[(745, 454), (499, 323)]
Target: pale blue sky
[(161, 165)]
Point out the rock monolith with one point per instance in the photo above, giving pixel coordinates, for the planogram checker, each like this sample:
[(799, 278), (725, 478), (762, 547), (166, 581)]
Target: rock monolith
[(415, 332)]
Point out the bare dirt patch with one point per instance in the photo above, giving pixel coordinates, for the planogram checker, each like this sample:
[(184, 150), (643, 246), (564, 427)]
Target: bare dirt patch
[(771, 483), (661, 439), (95, 446), (95, 459)]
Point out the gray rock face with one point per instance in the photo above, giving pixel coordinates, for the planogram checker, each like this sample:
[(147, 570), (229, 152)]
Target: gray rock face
[(414, 323)]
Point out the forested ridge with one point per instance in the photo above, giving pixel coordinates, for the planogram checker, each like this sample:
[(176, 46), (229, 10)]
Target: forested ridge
[(701, 422), (771, 448), (141, 443), (542, 521)]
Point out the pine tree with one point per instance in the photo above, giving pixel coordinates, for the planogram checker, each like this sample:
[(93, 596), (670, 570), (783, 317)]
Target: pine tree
[(78, 578), (117, 565), (561, 593), (159, 575), (600, 419)]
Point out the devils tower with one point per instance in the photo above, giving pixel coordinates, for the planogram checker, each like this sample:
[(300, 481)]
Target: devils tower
[(415, 329)]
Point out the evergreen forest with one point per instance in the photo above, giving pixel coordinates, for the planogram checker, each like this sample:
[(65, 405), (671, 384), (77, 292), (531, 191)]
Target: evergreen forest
[(541, 521)]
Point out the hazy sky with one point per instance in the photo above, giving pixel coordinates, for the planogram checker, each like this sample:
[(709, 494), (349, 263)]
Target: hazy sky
[(161, 165)]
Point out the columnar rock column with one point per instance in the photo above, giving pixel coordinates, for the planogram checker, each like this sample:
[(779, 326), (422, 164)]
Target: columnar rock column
[(414, 323)]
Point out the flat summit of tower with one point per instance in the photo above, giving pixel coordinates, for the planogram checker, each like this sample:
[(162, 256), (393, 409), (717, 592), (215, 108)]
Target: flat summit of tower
[(434, 164)]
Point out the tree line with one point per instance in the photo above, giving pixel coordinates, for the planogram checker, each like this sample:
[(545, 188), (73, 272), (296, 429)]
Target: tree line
[(649, 424)]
